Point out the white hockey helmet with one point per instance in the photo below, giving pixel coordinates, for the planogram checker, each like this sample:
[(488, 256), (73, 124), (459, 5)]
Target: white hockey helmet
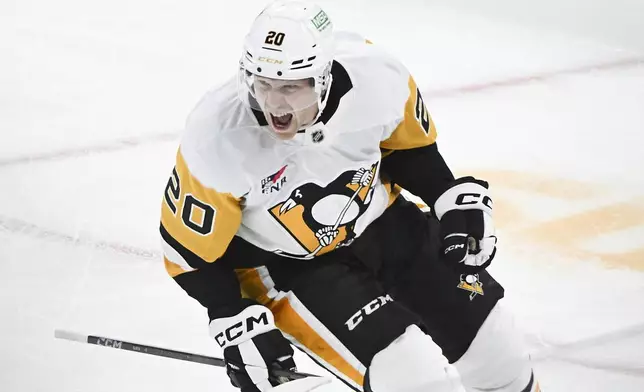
[(289, 40)]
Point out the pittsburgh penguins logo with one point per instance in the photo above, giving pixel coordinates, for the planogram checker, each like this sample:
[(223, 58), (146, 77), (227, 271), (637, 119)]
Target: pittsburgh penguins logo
[(323, 218)]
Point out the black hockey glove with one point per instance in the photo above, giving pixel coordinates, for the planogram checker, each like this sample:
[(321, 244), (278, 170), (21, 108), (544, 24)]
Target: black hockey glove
[(253, 347), (467, 229)]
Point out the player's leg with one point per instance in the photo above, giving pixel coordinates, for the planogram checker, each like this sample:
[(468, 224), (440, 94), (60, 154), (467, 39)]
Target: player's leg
[(496, 360), (460, 313), (336, 312)]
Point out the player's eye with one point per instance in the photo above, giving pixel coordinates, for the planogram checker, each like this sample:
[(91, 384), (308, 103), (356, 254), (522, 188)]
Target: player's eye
[(290, 88), (263, 86)]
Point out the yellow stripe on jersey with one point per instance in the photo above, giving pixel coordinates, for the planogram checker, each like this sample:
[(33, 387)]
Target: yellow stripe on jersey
[(252, 286), (199, 218), (289, 320), (173, 269), (417, 128), (393, 190)]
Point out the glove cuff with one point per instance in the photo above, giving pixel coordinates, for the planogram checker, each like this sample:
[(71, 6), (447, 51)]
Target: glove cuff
[(250, 322), (466, 194)]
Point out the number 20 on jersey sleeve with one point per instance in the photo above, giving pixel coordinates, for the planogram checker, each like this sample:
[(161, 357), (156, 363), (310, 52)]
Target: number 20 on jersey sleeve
[(195, 214), (197, 217), (416, 128)]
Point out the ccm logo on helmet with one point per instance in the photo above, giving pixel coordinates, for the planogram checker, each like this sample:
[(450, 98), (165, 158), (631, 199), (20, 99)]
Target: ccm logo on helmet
[(366, 310), (270, 60), (238, 329), (473, 198)]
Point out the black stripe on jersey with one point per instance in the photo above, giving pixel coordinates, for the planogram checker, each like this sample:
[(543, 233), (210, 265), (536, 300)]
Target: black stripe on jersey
[(340, 86), (259, 116), (190, 257), (239, 253), (529, 387), (215, 285)]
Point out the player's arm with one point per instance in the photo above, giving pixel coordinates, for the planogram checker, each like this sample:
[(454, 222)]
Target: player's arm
[(201, 251), (410, 155), (411, 159), (200, 248), (198, 225)]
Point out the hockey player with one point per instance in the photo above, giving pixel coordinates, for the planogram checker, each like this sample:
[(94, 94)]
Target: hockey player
[(283, 217)]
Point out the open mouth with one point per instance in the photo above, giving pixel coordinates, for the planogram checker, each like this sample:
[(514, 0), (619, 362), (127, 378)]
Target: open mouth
[(281, 123)]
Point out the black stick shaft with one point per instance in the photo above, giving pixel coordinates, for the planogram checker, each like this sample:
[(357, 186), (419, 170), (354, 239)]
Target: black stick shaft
[(180, 355), (160, 352)]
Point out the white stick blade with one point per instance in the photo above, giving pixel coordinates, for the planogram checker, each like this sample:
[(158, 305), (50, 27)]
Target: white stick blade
[(68, 335)]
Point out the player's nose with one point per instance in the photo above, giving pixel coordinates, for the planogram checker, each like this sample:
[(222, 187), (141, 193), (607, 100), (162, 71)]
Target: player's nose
[(275, 100)]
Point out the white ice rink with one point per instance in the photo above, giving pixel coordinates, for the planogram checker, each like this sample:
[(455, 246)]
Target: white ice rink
[(545, 103)]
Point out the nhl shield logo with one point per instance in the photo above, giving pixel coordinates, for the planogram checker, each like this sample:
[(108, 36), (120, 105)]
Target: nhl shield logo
[(317, 136), (472, 284)]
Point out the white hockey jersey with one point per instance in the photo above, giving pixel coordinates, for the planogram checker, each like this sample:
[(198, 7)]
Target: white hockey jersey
[(298, 198)]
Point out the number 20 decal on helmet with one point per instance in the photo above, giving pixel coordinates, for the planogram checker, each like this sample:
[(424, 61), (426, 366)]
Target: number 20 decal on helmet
[(274, 38)]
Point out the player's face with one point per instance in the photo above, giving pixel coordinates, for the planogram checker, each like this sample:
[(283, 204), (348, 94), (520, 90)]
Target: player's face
[(287, 104)]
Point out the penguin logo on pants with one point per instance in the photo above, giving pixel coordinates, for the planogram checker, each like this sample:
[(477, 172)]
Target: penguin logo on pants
[(323, 218)]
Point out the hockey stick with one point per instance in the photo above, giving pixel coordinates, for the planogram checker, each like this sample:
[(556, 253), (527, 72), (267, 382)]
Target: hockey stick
[(161, 352), (538, 354)]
